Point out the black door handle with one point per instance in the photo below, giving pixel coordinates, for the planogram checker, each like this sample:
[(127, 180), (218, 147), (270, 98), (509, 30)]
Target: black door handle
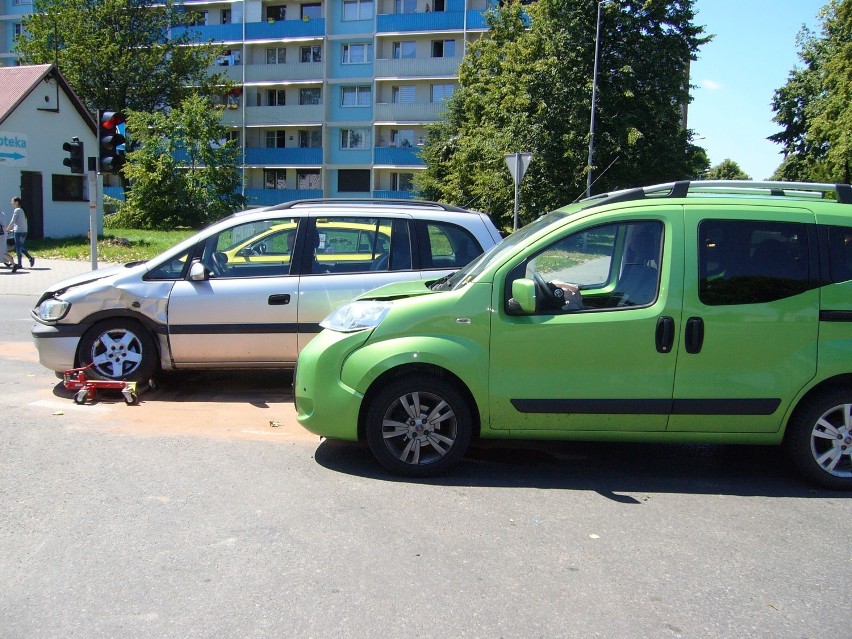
[(665, 334), (694, 335), (279, 300)]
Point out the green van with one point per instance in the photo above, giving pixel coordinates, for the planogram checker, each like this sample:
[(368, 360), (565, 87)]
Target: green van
[(714, 312)]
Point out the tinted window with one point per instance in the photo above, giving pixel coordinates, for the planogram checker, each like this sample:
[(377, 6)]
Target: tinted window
[(449, 246), (749, 262), (840, 253)]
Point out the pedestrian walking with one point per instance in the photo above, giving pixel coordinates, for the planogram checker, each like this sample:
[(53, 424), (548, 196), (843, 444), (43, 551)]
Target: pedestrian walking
[(18, 227)]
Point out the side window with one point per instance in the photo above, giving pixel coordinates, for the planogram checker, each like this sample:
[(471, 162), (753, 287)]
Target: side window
[(751, 262), (840, 253), (351, 245), (448, 246), (254, 249), (614, 266)]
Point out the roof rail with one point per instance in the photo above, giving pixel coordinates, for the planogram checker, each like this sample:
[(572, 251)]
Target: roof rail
[(367, 201), (843, 192)]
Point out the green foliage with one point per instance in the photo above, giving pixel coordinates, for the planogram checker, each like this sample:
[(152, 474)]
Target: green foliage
[(814, 107), (117, 54), (118, 245), (181, 174), (727, 169), (529, 89)]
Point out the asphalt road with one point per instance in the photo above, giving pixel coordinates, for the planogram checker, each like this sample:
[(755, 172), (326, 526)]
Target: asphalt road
[(204, 512)]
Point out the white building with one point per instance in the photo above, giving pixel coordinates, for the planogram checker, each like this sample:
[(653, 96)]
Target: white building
[(39, 112)]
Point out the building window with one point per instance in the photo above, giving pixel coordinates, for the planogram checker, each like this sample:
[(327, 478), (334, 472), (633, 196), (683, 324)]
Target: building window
[(276, 139), (442, 92), (226, 16), (357, 9), (310, 139), (405, 6), (275, 179), (312, 11), (403, 94), (402, 181), (308, 179), (440, 5), (353, 181), (402, 137), (357, 53), (69, 188), (233, 136), (311, 54), (404, 49), (354, 138), (358, 96), (310, 96), (19, 29), (276, 13), (443, 48), (276, 97), (276, 55), (197, 19)]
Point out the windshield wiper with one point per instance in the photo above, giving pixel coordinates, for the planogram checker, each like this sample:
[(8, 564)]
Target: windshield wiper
[(438, 285)]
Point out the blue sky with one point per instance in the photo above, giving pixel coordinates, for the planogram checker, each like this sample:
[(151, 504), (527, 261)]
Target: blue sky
[(736, 75)]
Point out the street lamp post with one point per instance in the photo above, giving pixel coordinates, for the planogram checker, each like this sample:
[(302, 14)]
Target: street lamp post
[(594, 99)]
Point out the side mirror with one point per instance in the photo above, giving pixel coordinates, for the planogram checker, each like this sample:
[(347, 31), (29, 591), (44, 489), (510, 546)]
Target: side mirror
[(523, 295), (198, 272)]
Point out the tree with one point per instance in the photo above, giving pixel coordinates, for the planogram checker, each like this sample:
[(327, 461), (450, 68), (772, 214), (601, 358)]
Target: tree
[(727, 169), (182, 173), (118, 54), (814, 107), (529, 89)]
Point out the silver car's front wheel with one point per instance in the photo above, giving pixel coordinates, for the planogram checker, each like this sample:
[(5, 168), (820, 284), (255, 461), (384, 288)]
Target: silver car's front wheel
[(418, 426), (119, 349), (820, 440)]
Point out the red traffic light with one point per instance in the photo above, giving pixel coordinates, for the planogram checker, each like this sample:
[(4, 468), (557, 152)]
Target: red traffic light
[(110, 141), (111, 119)]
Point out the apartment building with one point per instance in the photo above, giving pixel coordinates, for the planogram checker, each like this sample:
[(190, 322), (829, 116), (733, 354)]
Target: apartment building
[(334, 97)]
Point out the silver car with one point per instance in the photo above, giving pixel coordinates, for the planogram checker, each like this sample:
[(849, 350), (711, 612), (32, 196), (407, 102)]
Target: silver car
[(249, 291)]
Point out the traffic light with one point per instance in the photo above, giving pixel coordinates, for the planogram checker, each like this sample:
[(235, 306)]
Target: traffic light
[(110, 141), (75, 155)]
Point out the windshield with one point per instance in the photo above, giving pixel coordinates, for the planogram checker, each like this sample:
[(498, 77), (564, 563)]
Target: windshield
[(496, 253)]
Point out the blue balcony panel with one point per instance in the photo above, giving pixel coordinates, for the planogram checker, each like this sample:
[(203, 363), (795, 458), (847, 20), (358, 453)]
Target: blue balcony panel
[(291, 157), (394, 195), (432, 21), (208, 32), (115, 192), (397, 156), (285, 29), (268, 197)]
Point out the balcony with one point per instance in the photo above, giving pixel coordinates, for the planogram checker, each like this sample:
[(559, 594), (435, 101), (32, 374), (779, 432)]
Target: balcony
[(285, 29), (397, 156), (275, 115), (210, 32), (268, 197), (394, 195), (409, 112), (423, 22), (417, 68), (282, 157), (272, 73)]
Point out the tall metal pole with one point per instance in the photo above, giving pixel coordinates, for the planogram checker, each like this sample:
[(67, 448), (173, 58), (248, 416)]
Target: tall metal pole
[(594, 99)]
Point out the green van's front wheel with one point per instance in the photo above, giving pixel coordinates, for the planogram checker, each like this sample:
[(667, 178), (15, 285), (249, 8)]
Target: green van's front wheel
[(418, 426)]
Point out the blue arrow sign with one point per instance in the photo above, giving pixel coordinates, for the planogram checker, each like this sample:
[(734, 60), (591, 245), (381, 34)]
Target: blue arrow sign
[(12, 156)]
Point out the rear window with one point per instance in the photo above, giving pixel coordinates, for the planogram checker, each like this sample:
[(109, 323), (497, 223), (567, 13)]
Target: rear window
[(840, 253)]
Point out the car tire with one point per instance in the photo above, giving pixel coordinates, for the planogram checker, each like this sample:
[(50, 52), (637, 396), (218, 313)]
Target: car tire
[(819, 439), (418, 426), (119, 349)]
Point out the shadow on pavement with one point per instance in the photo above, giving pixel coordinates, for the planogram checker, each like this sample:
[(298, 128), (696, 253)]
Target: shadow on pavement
[(617, 471)]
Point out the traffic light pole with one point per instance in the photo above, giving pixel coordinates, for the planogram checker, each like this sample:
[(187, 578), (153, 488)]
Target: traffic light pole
[(93, 211)]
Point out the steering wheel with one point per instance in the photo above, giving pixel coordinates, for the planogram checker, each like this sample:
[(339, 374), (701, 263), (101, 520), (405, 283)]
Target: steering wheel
[(551, 296), (219, 264)]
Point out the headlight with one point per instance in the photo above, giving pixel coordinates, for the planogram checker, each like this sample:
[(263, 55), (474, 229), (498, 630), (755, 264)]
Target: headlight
[(53, 310), (356, 316)]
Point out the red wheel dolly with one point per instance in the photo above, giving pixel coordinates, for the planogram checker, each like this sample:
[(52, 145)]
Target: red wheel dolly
[(87, 389)]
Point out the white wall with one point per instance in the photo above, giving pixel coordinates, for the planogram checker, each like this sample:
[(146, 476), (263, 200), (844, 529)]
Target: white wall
[(45, 128)]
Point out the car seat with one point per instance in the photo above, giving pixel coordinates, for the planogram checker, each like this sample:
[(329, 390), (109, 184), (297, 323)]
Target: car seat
[(638, 282)]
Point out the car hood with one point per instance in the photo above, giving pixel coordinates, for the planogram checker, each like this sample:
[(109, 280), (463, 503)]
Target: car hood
[(90, 276), (398, 290)]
